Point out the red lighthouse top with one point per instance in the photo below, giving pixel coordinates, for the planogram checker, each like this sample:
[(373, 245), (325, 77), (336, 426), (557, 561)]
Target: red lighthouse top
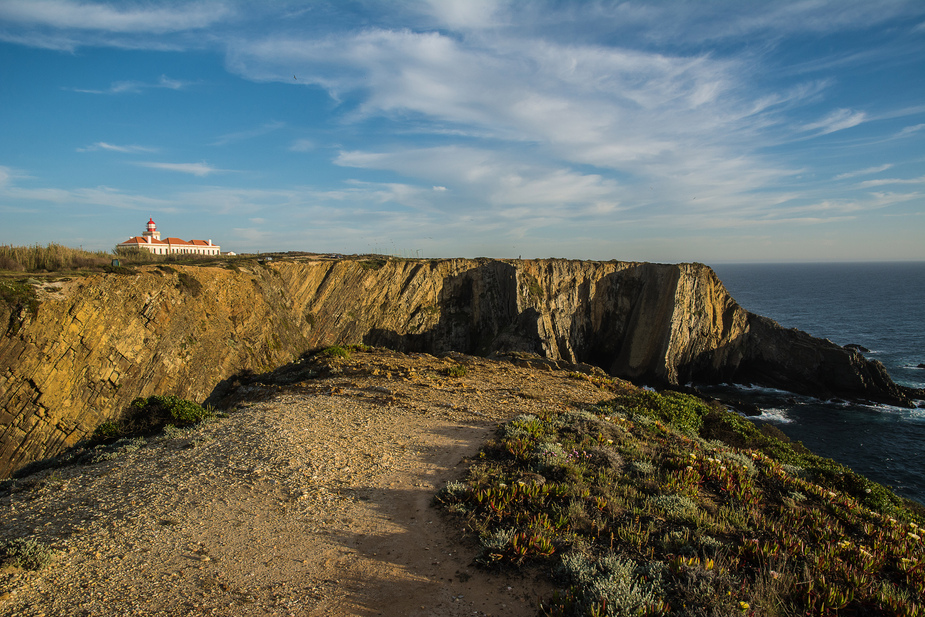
[(151, 225)]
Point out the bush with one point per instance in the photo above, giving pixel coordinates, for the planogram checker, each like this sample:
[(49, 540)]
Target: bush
[(335, 351), (456, 371), (148, 416), (611, 585), (682, 411), (26, 554)]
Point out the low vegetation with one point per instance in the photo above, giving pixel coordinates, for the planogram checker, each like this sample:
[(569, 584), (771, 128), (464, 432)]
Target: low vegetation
[(59, 258), (373, 264), (17, 299), (457, 370), (660, 504), (146, 418), (25, 553)]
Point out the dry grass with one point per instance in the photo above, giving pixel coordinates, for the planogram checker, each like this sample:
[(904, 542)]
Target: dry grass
[(60, 258)]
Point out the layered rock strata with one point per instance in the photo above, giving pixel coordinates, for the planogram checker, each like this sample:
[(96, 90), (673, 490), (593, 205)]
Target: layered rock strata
[(95, 343)]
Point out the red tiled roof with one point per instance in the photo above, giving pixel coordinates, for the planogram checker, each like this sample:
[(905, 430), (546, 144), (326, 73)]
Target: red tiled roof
[(141, 240), (166, 242)]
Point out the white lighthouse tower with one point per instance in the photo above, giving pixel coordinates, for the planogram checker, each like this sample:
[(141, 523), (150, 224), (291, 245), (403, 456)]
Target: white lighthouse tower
[(151, 233)]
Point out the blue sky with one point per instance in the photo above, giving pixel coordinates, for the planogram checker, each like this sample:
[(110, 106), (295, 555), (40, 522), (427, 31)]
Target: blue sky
[(711, 131)]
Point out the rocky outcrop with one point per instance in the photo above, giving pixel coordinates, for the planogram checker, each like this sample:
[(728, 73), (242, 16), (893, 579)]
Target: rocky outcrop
[(96, 343)]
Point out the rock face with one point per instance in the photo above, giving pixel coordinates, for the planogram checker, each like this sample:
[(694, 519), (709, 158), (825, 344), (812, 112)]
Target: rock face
[(98, 342)]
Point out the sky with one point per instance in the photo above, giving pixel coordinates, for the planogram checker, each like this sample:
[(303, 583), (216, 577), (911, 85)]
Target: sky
[(710, 131)]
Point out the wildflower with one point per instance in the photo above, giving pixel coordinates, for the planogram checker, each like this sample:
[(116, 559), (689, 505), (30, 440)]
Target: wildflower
[(693, 456), (610, 441), (743, 606), (774, 574)]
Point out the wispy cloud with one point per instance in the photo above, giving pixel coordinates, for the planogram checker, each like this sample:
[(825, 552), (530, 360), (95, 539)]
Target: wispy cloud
[(102, 145), (196, 169), (887, 181), (910, 130), (864, 172), (837, 120), (302, 145), (135, 87), (65, 14), (668, 120), (264, 129)]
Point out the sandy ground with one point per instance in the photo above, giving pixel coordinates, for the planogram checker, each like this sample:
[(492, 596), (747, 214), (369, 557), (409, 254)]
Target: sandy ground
[(308, 499)]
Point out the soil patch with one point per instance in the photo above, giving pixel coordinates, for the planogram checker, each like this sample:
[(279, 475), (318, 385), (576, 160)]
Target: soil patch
[(312, 498)]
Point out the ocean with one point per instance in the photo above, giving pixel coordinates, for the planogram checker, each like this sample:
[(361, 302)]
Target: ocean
[(880, 306)]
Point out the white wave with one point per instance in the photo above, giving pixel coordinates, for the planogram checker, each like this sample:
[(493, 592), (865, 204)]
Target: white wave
[(775, 415)]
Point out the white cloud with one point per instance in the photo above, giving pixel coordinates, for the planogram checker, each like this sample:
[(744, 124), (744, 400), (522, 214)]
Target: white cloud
[(196, 169), (102, 145), (260, 131), (65, 14), (464, 14), (490, 178), (672, 120), (135, 87), (302, 145), (909, 130), (885, 181), (864, 172), (837, 120)]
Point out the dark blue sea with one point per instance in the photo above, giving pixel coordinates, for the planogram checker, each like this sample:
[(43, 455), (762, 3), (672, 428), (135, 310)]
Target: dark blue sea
[(880, 306)]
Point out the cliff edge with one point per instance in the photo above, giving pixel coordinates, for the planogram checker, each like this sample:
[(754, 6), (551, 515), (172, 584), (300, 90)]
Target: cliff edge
[(88, 346)]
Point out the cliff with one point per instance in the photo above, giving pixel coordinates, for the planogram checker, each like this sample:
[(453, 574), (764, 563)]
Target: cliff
[(91, 345)]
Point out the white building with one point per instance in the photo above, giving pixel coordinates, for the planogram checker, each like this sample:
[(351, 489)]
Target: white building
[(151, 241)]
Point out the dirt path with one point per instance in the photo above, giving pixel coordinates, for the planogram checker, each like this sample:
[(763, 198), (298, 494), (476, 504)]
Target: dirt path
[(312, 499)]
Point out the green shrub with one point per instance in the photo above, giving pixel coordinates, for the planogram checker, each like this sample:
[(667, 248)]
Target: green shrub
[(335, 351), (682, 411), (611, 585), (148, 416), (373, 264), (26, 554), (457, 370)]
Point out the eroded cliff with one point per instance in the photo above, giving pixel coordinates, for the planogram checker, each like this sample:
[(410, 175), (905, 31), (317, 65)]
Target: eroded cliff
[(95, 343)]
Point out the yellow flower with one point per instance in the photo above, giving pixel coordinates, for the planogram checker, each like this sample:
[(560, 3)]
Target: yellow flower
[(743, 606)]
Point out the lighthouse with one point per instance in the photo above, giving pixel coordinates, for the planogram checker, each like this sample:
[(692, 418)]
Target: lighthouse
[(151, 233), (151, 241)]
